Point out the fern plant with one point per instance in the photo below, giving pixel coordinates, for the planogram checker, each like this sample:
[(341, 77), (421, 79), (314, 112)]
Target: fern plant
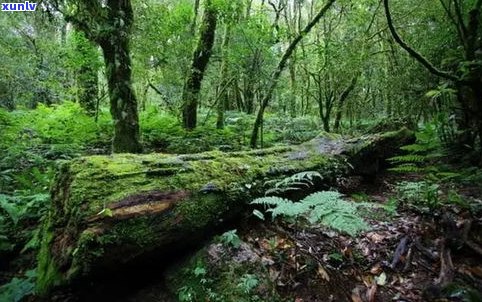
[(426, 149), (293, 183), (326, 207), (19, 288)]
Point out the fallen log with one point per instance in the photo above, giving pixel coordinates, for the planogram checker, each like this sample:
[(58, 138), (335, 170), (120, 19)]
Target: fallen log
[(108, 211)]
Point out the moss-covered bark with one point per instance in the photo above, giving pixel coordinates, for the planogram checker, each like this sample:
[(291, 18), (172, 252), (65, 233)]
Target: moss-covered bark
[(111, 210)]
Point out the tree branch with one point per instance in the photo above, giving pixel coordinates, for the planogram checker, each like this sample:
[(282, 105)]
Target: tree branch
[(413, 53)]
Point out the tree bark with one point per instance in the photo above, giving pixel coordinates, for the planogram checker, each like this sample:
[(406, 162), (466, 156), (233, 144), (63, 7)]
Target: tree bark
[(110, 28), (223, 81), (108, 211), (123, 102), (200, 60), (341, 101), (281, 66), (88, 89)]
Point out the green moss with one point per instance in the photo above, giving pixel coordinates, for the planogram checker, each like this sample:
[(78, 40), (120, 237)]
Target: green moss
[(202, 211), (48, 274)]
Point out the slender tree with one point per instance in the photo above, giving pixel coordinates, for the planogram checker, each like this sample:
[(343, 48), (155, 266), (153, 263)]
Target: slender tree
[(200, 60)]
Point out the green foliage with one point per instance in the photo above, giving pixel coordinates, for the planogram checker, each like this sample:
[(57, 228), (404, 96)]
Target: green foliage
[(422, 195), (200, 280), (43, 135), (327, 208), (17, 212), (163, 132), (18, 288), (248, 283), (421, 154), (62, 124), (230, 238), (292, 130), (295, 182), (391, 206)]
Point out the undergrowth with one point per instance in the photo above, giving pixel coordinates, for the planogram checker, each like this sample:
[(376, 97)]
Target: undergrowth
[(327, 208)]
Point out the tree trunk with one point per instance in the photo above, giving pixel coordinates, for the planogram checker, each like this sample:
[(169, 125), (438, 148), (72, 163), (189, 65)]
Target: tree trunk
[(341, 101), (200, 60), (108, 211), (115, 18), (123, 102), (222, 88)]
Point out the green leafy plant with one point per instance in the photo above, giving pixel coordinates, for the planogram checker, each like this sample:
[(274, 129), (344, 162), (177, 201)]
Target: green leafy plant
[(18, 288), (327, 207), (230, 238), (248, 282), (422, 195), (391, 206), (186, 294), (15, 213)]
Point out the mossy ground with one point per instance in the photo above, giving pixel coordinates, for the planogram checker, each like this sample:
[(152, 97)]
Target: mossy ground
[(228, 278)]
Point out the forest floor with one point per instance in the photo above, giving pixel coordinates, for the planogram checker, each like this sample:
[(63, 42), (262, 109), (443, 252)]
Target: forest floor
[(406, 256)]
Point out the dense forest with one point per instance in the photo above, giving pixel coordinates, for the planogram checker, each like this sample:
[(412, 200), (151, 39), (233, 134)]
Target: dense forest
[(241, 150)]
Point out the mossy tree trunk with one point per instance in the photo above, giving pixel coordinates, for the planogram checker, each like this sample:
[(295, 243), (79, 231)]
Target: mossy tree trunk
[(123, 102), (111, 210), (109, 25), (200, 61), (87, 73)]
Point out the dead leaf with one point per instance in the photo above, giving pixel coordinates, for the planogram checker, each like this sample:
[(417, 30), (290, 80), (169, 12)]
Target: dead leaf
[(368, 280), (376, 269), (323, 274), (347, 252), (355, 295), (477, 270), (371, 293), (375, 237), (274, 274)]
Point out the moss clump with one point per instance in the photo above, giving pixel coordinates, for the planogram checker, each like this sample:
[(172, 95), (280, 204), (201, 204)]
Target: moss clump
[(49, 274)]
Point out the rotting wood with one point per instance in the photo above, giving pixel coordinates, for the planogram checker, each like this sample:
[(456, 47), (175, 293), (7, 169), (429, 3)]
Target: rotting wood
[(108, 211)]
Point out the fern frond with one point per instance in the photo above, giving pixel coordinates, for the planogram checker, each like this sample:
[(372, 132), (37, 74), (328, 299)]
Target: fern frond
[(270, 201), (294, 182), (409, 158), (345, 222), (407, 168), (327, 207), (330, 209), (318, 198), (288, 209)]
